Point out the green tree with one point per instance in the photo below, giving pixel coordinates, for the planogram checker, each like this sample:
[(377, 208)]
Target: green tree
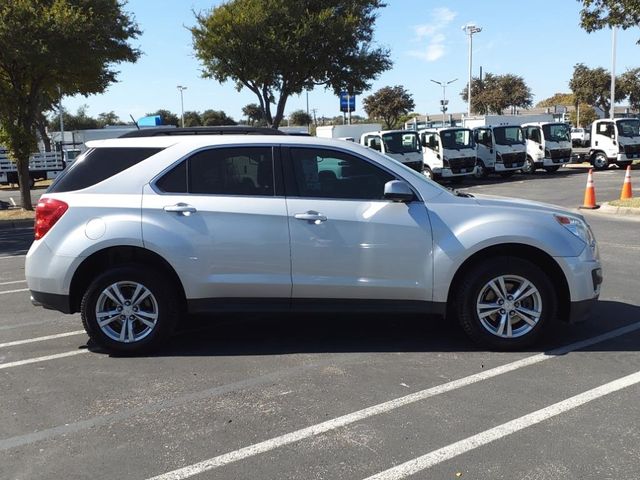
[(49, 48), (300, 117), (80, 121), (166, 117), (587, 115), (279, 48), (192, 119), (389, 104), (253, 112), (109, 118), (629, 84), (212, 118), (599, 14), (495, 93), (593, 86), (564, 99)]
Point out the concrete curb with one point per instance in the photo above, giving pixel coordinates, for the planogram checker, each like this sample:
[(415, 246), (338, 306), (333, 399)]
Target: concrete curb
[(606, 208), (14, 224)]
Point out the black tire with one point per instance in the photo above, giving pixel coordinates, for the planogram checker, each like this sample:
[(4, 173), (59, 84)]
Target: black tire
[(600, 161), (480, 171), (529, 167), (427, 172), (163, 300), (551, 169), (474, 286)]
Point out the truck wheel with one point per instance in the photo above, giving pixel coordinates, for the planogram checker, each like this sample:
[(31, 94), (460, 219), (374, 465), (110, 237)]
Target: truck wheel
[(481, 170), (529, 166), (427, 172), (600, 161), (130, 309), (506, 303), (551, 169)]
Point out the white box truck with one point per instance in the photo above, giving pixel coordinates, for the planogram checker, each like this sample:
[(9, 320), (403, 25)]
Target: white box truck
[(401, 145), (448, 153), (499, 149), (346, 132), (548, 146), (614, 141)]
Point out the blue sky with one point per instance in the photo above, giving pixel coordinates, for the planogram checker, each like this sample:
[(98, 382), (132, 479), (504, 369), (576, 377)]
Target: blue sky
[(540, 41)]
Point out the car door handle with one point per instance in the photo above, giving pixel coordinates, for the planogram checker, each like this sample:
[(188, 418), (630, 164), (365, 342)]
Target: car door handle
[(311, 216), (182, 208)]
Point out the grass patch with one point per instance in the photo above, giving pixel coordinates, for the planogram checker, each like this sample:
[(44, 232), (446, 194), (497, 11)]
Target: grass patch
[(16, 214), (631, 203)]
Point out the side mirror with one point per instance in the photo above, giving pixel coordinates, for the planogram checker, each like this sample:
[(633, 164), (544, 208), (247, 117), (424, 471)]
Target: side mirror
[(376, 145), (398, 191)]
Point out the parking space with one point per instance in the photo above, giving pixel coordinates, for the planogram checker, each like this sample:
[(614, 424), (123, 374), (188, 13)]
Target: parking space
[(367, 396)]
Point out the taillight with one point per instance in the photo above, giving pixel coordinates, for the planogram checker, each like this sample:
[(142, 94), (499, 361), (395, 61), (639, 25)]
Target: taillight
[(48, 212)]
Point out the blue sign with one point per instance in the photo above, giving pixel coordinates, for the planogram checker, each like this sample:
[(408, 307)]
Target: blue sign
[(152, 121), (347, 103)]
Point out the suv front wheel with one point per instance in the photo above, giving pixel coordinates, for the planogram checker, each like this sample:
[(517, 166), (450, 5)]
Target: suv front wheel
[(129, 309), (506, 302)]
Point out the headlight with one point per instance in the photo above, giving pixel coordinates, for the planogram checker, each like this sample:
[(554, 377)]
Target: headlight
[(578, 227), (498, 157), (620, 148), (547, 153)]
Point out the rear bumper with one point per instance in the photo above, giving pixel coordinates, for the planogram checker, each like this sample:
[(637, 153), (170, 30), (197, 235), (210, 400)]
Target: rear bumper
[(52, 301)]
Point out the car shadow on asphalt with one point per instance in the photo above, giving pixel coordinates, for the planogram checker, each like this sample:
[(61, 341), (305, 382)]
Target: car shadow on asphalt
[(270, 334)]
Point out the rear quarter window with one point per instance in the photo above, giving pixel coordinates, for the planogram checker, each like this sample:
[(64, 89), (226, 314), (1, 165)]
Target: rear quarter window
[(97, 165)]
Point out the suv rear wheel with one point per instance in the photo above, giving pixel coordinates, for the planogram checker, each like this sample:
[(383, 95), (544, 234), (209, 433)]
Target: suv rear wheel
[(505, 303), (129, 309)]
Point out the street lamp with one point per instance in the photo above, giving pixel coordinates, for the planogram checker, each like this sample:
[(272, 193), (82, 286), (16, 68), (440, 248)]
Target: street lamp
[(182, 89), (444, 102), (470, 29)]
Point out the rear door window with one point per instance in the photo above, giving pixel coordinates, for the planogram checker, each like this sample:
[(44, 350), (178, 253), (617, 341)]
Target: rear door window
[(223, 171), (97, 165)]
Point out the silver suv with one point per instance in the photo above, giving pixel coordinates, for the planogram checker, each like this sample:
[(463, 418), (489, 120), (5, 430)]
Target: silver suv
[(139, 231)]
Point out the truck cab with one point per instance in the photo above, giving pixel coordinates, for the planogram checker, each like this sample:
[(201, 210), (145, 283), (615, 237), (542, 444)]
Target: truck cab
[(500, 149), (448, 152), (548, 146), (401, 145), (614, 141)]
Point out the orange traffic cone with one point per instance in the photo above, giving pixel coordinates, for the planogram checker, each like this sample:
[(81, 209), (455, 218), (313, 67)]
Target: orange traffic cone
[(590, 193), (626, 186)]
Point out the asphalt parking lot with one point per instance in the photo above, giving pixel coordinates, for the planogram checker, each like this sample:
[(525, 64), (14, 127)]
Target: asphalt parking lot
[(388, 397)]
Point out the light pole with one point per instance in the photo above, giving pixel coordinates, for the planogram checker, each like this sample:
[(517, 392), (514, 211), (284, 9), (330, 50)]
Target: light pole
[(613, 73), (470, 29), (444, 101), (182, 89)]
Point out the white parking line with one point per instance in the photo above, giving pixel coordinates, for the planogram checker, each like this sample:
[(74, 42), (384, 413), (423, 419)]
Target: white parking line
[(471, 443), (13, 281), (41, 339), (41, 359), (15, 291), (378, 409)]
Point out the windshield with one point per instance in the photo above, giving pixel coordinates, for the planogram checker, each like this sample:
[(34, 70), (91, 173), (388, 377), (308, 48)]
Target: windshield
[(456, 139), (556, 132), (629, 128), (401, 142), (511, 135)]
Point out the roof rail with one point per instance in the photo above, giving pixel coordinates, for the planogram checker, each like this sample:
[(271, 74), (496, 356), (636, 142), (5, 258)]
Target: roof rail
[(218, 130)]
